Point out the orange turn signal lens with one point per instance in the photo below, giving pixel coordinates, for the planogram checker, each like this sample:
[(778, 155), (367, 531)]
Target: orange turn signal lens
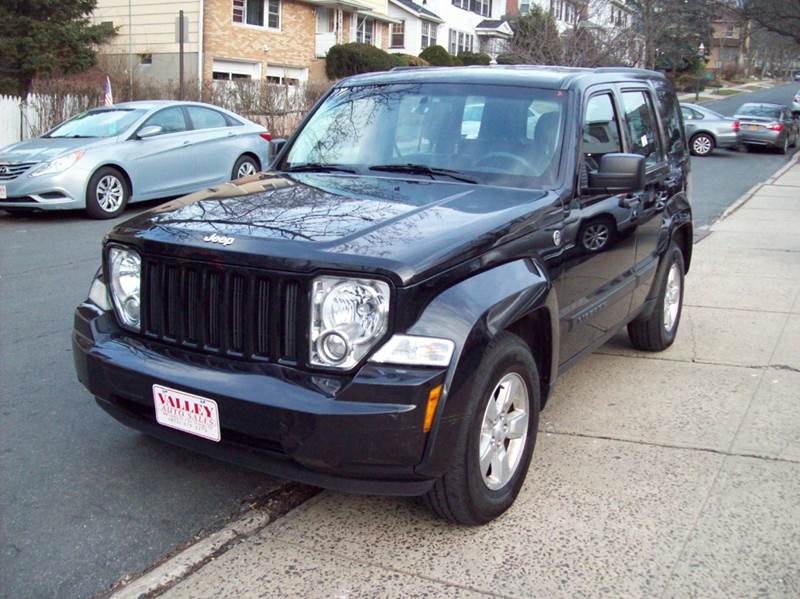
[(430, 410)]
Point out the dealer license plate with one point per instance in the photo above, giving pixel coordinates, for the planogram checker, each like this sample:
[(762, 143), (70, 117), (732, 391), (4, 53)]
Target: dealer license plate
[(186, 412), (3, 192)]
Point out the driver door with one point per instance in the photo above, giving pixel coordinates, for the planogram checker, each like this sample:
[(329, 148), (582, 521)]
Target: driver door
[(600, 248)]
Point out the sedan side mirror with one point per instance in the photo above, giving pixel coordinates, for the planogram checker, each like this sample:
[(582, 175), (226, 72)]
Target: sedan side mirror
[(150, 131), (618, 173)]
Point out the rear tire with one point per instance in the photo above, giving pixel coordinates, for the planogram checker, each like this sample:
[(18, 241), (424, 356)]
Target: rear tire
[(107, 193), (245, 166), (467, 494), (702, 144), (784, 149), (657, 331)]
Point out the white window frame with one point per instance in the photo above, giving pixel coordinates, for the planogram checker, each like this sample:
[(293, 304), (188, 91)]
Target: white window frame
[(361, 30), (267, 14), (392, 33), (428, 32)]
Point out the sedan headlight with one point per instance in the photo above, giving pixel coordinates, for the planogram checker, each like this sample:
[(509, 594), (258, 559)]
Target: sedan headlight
[(57, 165), (124, 271), (348, 317)]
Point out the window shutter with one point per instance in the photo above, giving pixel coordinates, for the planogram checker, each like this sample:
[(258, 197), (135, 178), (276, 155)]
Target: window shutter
[(238, 11)]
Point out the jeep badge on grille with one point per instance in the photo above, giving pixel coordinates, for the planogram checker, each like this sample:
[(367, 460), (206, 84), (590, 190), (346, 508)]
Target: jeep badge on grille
[(221, 239)]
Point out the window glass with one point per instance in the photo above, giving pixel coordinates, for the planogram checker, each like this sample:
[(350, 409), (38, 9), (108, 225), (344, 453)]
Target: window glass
[(397, 34), (274, 17), (600, 130), (668, 108), (170, 120), (97, 123), (642, 126), (205, 118), (471, 129), (255, 12), (762, 110)]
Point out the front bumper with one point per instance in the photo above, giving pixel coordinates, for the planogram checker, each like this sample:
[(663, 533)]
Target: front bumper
[(62, 191), (360, 434)]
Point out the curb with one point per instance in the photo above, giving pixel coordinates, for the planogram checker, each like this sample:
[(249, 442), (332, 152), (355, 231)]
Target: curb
[(744, 198), (171, 570)]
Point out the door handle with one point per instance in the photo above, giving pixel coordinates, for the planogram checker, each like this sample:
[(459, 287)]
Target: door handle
[(630, 201), (186, 143)]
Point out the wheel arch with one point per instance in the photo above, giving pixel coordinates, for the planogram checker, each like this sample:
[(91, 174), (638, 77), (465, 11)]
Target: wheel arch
[(250, 154), (517, 297), (116, 166)]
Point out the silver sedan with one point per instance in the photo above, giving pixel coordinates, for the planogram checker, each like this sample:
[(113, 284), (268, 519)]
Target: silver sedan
[(707, 129), (106, 157)]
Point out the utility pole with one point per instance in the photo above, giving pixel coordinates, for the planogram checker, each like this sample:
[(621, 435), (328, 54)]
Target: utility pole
[(180, 54), (130, 50)]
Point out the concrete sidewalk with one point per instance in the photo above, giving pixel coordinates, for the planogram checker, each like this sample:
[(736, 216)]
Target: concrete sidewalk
[(710, 93), (656, 475)]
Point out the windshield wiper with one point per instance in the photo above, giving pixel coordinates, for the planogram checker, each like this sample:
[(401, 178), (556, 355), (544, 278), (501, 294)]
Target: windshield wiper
[(310, 167), (422, 169)]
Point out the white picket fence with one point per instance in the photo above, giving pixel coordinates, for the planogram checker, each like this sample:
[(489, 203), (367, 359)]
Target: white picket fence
[(10, 120)]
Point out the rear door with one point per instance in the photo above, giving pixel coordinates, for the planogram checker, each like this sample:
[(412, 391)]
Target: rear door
[(215, 144), (598, 241)]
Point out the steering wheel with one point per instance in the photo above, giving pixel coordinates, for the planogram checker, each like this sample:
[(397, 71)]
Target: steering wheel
[(491, 156)]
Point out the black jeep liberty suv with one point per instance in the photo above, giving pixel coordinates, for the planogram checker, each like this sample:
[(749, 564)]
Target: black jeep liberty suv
[(386, 309)]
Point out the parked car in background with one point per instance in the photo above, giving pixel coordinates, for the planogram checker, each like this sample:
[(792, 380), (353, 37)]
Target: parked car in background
[(707, 129), (796, 104), (769, 125), (104, 158)]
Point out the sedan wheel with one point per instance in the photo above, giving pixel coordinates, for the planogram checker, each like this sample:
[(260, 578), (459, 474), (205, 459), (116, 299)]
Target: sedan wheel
[(702, 145), (107, 193), (110, 193), (246, 169)]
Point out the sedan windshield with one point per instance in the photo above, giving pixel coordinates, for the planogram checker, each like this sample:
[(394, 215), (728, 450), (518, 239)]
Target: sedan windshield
[(770, 112), (470, 133), (97, 123)]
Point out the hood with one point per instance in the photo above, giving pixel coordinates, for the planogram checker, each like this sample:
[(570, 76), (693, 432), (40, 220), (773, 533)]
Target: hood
[(406, 229), (41, 149)]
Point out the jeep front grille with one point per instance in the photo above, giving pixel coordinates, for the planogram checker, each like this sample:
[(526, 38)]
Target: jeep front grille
[(224, 310)]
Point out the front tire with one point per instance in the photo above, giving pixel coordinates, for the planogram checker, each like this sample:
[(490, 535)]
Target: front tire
[(245, 167), (107, 193), (702, 144), (657, 331), (597, 235), (497, 438)]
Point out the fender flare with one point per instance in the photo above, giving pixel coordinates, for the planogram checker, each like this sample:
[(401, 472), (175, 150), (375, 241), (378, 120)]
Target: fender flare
[(471, 313)]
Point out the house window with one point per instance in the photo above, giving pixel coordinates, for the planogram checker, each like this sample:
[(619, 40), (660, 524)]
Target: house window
[(291, 76), (145, 59), (481, 7), (397, 32), (730, 31), (428, 34), (365, 28), (259, 13), (229, 70), (459, 42)]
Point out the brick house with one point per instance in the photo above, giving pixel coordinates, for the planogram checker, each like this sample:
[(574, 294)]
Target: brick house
[(282, 41)]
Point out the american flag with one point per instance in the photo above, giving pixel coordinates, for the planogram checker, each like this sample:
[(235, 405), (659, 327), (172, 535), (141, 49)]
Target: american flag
[(108, 100)]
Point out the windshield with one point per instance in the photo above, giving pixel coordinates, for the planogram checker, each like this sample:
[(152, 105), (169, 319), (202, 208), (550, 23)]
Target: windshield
[(771, 112), (488, 134), (97, 123)]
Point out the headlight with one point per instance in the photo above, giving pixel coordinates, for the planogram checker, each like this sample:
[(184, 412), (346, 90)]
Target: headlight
[(124, 270), (98, 292), (348, 317), (58, 165)]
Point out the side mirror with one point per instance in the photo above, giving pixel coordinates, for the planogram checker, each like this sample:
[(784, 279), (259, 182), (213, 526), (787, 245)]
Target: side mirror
[(618, 173), (150, 131), (277, 146)]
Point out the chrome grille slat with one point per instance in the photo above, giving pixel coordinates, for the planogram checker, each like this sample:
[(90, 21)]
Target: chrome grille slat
[(12, 170)]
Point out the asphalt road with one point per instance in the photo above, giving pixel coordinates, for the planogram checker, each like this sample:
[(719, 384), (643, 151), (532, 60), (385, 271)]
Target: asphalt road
[(717, 180), (84, 501)]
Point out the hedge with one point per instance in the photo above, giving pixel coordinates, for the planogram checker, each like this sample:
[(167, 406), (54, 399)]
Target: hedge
[(344, 60), (437, 56), (468, 58)]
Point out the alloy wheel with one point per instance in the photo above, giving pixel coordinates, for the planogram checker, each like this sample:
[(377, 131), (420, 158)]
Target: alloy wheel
[(672, 298), (110, 193), (701, 145), (504, 431), (246, 169), (595, 237)]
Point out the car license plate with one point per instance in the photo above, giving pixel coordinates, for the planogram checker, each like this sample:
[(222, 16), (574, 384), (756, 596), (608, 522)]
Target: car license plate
[(752, 127), (186, 412), (3, 192)]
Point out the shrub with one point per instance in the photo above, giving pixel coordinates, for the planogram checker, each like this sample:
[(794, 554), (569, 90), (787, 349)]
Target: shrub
[(509, 59), (344, 60), (436, 56), (413, 61), (468, 58)]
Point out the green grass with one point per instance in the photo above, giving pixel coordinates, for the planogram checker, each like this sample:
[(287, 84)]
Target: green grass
[(726, 92), (701, 100)]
